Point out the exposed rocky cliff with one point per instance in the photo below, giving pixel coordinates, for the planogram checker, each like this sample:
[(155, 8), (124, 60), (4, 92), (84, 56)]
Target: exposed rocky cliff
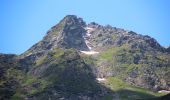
[(66, 34)]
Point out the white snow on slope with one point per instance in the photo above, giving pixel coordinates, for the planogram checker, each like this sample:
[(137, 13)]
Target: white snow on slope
[(89, 29), (88, 44), (89, 52), (163, 91), (86, 37), (101, 79)]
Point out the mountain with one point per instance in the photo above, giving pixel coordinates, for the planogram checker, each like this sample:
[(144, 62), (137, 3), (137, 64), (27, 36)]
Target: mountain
[(79, 61)]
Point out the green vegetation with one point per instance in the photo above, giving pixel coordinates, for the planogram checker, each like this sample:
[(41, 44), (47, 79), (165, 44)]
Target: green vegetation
[(65, 71), (40, 61), (55, 30), (114, 37), (89, 60), (10, 82), (125, 62), (116, 84), (120, 58), (56, 53), (18, 96), (108, 54), (29, 79), (128, 92), (33, 85)]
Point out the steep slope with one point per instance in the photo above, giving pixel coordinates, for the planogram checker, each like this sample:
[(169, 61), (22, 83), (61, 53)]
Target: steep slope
[(79, 61), (139, 60), (61, 74), (10, 75), (66, 34)]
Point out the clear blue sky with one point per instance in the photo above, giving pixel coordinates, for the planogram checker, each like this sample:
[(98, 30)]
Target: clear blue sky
[(25, 22)]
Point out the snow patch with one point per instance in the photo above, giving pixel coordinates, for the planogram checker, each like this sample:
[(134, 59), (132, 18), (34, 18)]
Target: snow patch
[(86, 38), (87, 35), (101, 79), (29, 54), (89, 52), (163, 91), (88, 43), (89, 29)]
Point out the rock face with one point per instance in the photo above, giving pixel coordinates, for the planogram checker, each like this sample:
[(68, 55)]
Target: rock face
[(66, 34), (65, 64)]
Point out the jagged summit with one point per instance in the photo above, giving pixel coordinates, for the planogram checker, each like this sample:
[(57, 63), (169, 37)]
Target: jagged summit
[(72, 20), (68, 33), (73, 32)]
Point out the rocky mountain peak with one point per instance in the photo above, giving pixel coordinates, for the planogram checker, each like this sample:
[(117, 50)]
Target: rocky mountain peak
[(73, 20), (72, 32), (94, 25), (68, 33)]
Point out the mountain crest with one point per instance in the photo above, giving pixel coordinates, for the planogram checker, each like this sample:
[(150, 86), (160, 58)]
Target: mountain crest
[(68, 33), (73, 32), (73, 20)]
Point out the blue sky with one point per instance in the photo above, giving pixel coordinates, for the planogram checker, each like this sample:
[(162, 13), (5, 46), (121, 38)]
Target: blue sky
[(25, 22)]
